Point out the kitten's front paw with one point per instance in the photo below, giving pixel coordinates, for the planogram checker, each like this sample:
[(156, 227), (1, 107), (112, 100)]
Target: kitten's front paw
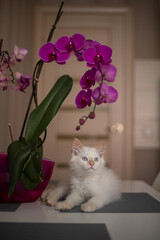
[(49, 197), (88, 207), (51, 201), (45, 195), (64, 205)]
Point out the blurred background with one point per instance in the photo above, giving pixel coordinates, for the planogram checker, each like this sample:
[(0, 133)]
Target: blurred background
[(132, 125)]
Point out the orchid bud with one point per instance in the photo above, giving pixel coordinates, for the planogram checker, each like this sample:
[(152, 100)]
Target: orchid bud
[(91, 115), (81, 121), (77, 128)]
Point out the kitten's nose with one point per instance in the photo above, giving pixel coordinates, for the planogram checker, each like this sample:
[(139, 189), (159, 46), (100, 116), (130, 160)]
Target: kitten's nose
[(91, 163)]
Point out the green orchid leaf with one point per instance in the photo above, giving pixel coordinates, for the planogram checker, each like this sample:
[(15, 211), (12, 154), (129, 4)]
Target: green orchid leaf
[(32, 174), (44, 113), (33, 170), (18, 153), (27, 183)]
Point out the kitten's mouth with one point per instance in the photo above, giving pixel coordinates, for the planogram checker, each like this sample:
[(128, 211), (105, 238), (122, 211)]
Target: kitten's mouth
[(90, 168)]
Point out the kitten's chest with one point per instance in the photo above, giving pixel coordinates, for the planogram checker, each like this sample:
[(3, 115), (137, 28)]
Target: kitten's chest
[(85, 186)]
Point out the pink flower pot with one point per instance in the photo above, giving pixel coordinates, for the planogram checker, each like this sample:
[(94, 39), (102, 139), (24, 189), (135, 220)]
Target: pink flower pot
[(21, 194)]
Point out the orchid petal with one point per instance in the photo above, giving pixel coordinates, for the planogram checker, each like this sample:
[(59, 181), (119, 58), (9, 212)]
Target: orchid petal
[(15, 50), (98, 76), (95, 95), (105, 52), (78, 41), (88, 96), (62, 57), (23, 51), (89, 55), (79, 56), (61, 43), (88, 43), (18, 75), (112, 95), (95, 44), (45, 51), (109, 72), (104, 89)]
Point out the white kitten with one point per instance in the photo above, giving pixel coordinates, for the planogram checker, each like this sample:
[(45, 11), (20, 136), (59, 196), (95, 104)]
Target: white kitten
[(91, 184)]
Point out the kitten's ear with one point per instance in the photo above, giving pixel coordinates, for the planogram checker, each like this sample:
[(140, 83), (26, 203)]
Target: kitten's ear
[(100, 148), (76, 146)]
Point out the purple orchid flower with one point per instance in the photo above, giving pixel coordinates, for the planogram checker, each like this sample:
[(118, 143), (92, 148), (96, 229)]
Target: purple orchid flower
[(97, 55), (88, 79), (22, 81), (83, 98), (48, 53), (68, 44), (4, 80), (108, 94), (18, 54), (2, 76), (88, 43), (109, 72)]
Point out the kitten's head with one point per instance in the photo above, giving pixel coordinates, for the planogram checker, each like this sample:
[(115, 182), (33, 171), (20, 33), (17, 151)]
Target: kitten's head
[(87, 159)]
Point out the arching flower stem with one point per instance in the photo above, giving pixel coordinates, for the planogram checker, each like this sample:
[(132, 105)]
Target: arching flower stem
[(37, 72), (91, 115), (100, 85)]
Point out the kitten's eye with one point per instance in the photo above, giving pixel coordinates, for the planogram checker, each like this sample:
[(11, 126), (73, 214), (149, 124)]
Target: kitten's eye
[(96, 159), (84, 158)]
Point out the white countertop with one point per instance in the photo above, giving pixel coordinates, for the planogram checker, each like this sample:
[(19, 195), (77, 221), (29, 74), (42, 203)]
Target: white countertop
[(121, 226)]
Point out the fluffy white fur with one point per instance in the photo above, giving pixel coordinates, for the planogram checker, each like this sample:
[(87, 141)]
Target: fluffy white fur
[(91, 184)]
